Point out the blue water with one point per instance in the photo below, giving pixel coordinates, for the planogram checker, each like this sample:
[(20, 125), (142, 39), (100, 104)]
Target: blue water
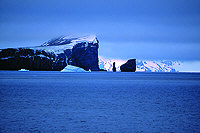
[(99, 102)]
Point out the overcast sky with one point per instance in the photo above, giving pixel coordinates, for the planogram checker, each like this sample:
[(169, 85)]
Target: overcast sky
[(141, 29)]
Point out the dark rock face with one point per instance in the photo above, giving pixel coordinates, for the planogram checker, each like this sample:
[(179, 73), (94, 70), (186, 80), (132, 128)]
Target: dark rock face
[(129, 66), (86, 58), (114, 68), (52, 56), (25, 58)]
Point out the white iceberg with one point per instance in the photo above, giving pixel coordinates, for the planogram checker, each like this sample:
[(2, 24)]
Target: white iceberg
[(23, 70), (70, 68)]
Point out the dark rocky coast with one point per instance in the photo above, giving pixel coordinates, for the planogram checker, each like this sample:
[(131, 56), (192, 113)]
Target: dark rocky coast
[(53, 55), (56, 54)]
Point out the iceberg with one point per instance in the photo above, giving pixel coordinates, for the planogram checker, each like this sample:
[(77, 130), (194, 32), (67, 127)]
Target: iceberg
[(23, 70), (70, 68)]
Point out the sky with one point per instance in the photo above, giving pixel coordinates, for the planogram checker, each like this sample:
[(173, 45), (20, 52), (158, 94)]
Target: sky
[(141, 29)]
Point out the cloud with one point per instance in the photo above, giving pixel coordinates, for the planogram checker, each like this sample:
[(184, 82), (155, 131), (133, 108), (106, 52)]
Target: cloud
[(139, 24)]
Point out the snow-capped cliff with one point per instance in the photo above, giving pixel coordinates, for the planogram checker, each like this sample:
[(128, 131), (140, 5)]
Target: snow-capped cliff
[(55, 54), (60, 44)]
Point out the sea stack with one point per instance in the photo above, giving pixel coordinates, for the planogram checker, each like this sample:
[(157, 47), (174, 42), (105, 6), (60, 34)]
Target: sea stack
[(114, 68), (129, 66)]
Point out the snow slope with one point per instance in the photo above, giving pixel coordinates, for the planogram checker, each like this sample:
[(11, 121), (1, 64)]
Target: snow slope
[(58, 45)]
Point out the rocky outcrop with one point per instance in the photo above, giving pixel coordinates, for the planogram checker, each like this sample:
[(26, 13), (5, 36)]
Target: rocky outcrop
[(129, 66), (114, 68), (53, 55)]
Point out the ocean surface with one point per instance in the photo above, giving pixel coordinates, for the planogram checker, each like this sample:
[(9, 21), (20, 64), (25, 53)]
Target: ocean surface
[(99, 102)]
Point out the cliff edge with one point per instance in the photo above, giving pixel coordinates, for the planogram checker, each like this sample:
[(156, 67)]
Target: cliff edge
[(53, 55)]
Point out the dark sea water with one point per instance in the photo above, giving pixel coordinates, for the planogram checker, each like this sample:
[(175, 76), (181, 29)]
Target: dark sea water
[(99, 102)]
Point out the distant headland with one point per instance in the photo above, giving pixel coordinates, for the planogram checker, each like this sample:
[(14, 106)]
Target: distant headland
[(56, 54)]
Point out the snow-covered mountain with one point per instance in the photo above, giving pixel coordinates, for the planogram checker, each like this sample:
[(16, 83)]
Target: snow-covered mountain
[(142, 65), (157, 66)]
